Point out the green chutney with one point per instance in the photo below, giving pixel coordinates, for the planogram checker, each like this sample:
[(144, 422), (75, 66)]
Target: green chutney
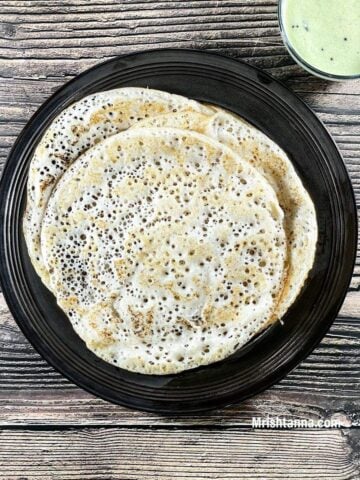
[(324, 33)]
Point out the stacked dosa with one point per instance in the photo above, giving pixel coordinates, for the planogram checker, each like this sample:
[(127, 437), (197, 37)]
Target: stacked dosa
[(170, 232), (166, 250)]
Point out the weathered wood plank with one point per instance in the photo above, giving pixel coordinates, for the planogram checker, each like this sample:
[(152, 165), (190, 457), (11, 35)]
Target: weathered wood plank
[(178, 454), (74, 407), (326, 385)]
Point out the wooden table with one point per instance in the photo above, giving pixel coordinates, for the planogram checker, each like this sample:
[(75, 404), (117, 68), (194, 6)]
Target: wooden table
[(52, 429)]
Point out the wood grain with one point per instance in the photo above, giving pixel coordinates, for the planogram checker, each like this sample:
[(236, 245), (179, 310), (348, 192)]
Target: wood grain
[(44, 43), (177, 454)]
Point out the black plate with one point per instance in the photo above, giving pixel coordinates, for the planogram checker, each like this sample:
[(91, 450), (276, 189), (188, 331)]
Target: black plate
[(275, 110)]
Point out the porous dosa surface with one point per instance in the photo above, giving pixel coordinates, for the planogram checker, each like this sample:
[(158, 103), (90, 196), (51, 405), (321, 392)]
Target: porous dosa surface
[(165, 249), (77, 128), (272, 162)]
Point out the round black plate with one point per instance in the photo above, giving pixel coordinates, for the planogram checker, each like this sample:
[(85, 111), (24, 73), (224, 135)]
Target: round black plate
[(282, 116)]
